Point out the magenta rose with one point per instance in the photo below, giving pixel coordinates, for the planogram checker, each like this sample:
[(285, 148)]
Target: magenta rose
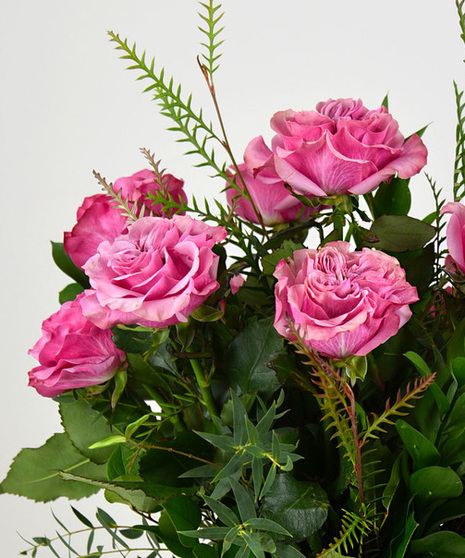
[(155, 274), (339, 148), (97, 219), (342, 303), (138, 187), (72, 352), (455, 235), (274, 202)]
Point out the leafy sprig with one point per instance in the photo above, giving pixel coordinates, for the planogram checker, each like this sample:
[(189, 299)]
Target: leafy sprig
[(212, 32)]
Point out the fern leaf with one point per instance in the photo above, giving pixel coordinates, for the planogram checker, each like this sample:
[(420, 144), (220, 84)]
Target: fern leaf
[(402, 402), (212, 31), (187, 122), (353, 529), (123, 204), (459, 169)]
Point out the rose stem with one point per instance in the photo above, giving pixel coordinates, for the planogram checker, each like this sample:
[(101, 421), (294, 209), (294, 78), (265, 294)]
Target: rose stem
[(227, 146), (204, 388)]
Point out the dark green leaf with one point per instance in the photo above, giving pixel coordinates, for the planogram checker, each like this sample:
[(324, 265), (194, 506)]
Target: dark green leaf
[(82, 518), (444, 544), (118, 463), (184, 514), (399, 544), (34, 473), (432, 483), (64, 262), (244, 501), (392, 198), (205, 551), (132, 339), (286, 251), (421, 450), (249, 356), (70, 292), (299, 507), (451, 442), (399, 233)]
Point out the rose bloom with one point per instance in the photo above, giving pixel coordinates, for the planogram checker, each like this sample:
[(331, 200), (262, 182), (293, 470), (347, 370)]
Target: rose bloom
[(155, 274), (72, 352), (274, 202), (339, 148), (342, 303), (138, 186), (100, 219), (97, 219), (455, 235)]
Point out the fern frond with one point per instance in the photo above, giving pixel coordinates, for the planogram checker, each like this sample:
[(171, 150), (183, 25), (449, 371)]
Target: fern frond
[(121, 203), (353, 529), (460, 10), (440, 223), (187, 122), (398, 408), (459, 167), (212, 32)]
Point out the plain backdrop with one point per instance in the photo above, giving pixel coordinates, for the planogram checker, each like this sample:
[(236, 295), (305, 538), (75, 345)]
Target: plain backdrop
[(68, 107)]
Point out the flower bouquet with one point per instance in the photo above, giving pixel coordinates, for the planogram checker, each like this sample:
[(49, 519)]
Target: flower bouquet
[(281, 375)]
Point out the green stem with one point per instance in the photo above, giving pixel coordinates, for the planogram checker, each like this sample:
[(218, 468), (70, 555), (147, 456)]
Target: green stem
[(204, 386), (159, 400)]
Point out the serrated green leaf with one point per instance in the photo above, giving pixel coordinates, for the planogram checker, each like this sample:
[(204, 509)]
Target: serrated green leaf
[(35, 473), (400, 233)]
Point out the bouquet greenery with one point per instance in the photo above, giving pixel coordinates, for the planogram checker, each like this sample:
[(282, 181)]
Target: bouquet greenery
[(280, 376)]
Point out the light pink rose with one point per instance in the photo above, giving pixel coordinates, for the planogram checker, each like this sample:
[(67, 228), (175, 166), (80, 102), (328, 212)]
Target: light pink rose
[(455, 235), (274, 202), (72, 353), (342, 303), (138, 186), (155, 274), (339, 148), (97, 219)]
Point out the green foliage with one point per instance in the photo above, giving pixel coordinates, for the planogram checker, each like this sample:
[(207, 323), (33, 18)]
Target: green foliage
[(459, 170), (212, 32)]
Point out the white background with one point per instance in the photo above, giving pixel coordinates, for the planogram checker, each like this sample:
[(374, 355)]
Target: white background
[(68, 106)]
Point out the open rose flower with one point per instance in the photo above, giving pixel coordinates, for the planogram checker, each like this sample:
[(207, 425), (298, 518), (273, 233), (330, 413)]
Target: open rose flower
[(99, 218), (342, 303), (155, 274), (455, 235), (339, 148), (274, 202), (72, 352)]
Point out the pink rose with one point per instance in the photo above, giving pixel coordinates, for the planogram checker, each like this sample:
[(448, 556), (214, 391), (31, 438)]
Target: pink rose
[(72, 353), (137, 188), (340, 302), (97, 219), (339, 148), (155, 274), (274, 202), (100, 219), (236, 282), (455, 234)]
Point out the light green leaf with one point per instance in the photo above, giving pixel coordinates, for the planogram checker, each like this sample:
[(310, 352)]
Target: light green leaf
[(35, 473)]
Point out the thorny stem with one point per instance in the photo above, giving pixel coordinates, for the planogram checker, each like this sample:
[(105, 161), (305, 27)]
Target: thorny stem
[(226, 144)]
